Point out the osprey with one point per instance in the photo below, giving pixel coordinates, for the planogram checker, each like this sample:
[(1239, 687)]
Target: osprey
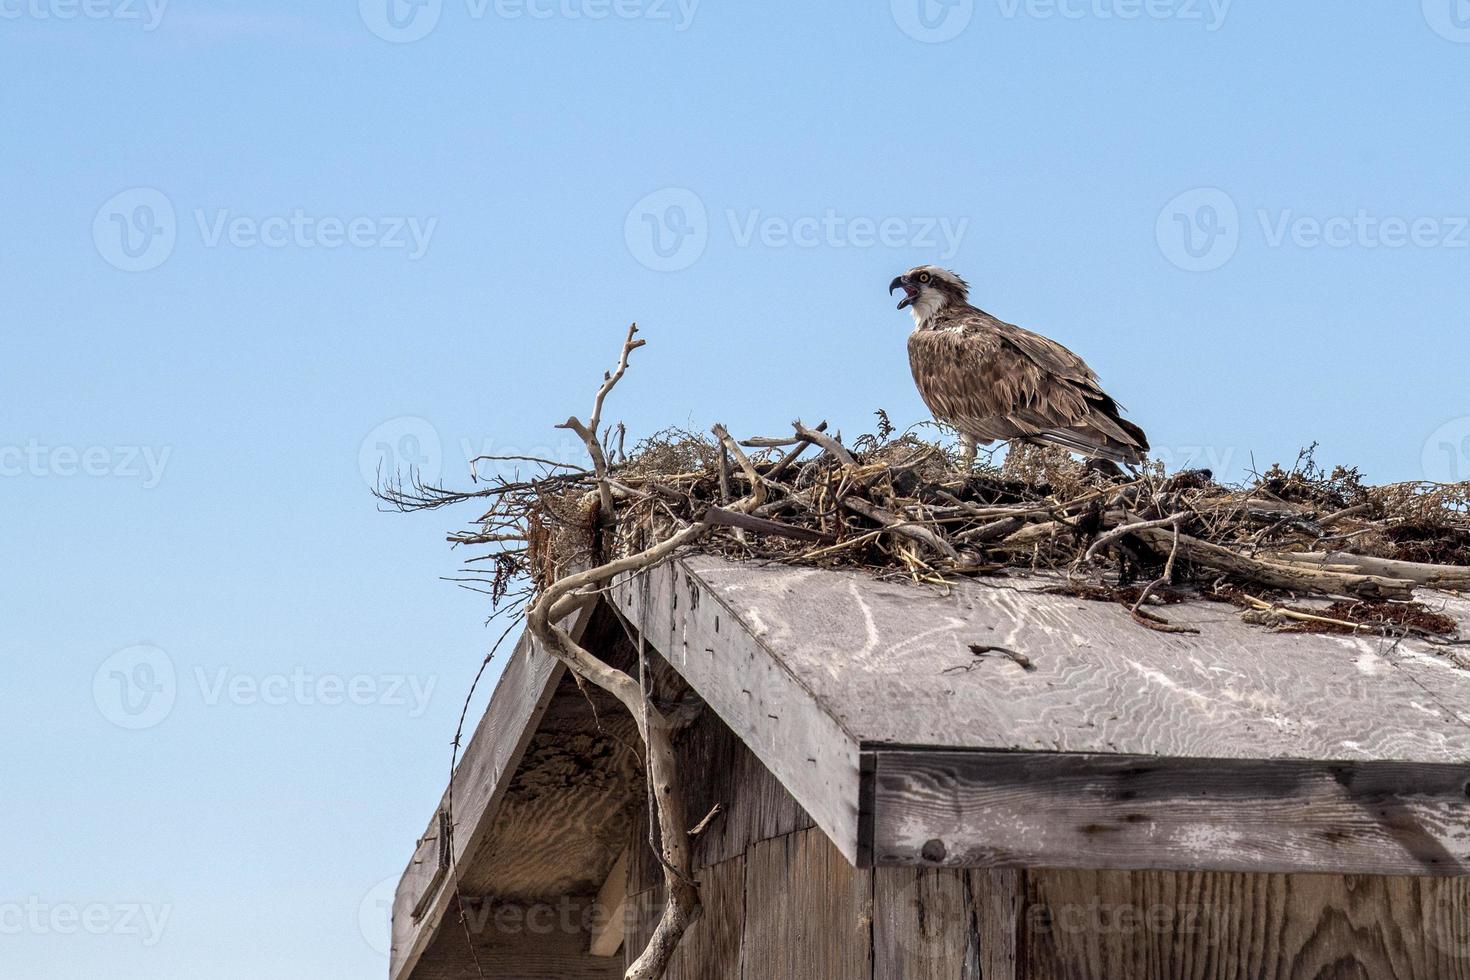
[(993, 380)]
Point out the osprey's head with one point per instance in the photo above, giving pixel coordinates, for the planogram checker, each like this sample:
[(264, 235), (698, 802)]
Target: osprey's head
[(928, 289)]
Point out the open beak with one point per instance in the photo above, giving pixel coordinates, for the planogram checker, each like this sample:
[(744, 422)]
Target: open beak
[(909, 292)]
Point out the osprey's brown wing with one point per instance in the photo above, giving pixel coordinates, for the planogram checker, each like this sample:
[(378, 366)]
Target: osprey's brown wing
[(994, 380)]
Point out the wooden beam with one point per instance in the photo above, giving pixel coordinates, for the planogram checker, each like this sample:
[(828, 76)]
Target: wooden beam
[(773, 713), (521, 697), (612, 909), (939, 808)]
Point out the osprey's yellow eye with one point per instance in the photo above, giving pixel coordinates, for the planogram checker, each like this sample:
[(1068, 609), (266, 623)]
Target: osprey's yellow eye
[(923, 277)]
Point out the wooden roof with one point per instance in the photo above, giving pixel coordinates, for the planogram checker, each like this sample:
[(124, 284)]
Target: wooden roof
[(1232, 749), (1111, 747), (891, 664)]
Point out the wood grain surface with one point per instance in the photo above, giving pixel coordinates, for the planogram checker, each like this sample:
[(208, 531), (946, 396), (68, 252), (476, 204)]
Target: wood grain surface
[(760, 699), (892, 664), (808, 913), (1012, 809), (526, 942), (711, 949), (1082, 925), (943, 924)]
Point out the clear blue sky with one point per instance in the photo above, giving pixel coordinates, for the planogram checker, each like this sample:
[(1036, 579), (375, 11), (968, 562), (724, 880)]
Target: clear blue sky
[(244, 244)]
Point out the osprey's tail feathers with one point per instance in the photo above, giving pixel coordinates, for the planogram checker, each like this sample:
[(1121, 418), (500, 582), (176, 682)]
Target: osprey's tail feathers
[(1091, 441)]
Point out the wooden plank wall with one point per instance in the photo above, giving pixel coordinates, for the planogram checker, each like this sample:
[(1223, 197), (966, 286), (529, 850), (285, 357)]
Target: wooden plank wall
[(1089, 925), (781, 903)]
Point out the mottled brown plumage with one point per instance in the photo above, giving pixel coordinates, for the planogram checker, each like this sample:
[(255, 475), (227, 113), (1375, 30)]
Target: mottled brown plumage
[(994, 380)]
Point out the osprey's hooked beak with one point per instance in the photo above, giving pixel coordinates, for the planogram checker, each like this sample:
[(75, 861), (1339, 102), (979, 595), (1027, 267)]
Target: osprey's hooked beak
[(909, 292)]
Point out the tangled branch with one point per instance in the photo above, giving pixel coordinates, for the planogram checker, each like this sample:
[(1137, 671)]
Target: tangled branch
[(563, 596)]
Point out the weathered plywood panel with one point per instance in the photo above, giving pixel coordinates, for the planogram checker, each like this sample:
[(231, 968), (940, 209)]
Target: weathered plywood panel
[(891, 662), (711, 949), (766, 706), (526, 941), (1012, 809), (808, 912), (945, 924), (1081, 925), (567, 810)]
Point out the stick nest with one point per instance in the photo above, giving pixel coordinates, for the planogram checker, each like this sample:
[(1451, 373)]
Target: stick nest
[(1296, 548)]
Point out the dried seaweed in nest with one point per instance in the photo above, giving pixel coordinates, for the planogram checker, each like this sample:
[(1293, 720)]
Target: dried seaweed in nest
[(1308, 483), (672, 451), (560, 533), (1123, 595), (1392, 618), (1427, 541), (1340, 618)]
